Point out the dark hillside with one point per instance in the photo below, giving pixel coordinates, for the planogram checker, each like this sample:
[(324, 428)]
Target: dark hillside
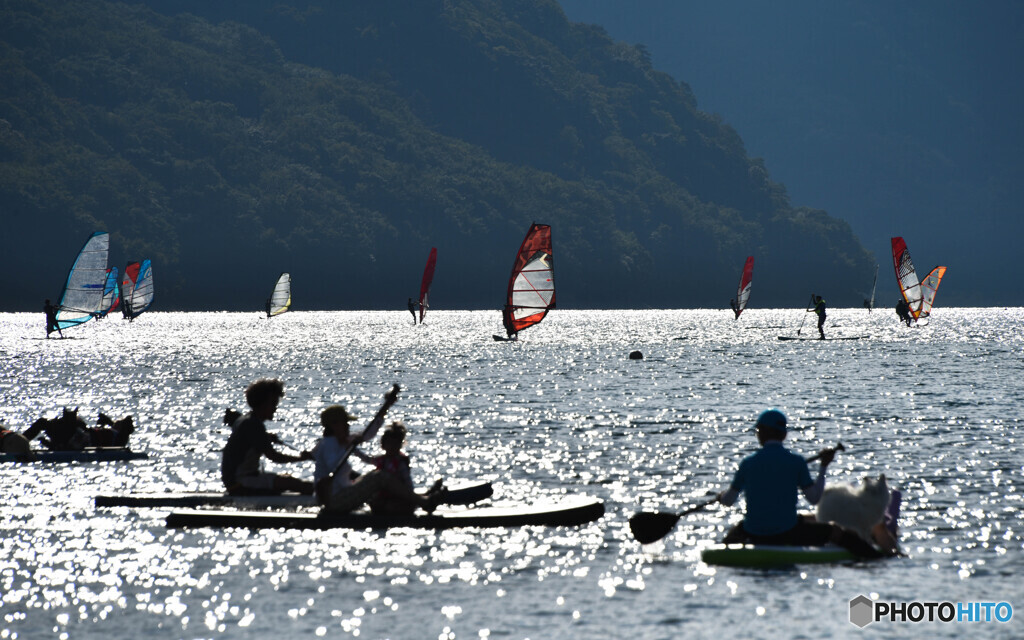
[(340, 141)]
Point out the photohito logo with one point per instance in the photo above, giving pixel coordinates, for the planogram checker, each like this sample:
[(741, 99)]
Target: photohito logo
[(864, 611)]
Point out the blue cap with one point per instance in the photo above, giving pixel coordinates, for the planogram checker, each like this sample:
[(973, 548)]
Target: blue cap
[(772, 419)]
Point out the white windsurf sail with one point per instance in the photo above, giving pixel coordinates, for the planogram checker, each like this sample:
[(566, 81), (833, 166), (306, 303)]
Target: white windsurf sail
[(82, 298), (281, 299)]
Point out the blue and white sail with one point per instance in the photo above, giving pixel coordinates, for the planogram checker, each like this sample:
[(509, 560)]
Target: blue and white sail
[(82, 298)]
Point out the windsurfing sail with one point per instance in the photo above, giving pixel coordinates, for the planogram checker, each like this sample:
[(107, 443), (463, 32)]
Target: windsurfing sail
[(743, 291), (906, 276), (136, 289), (111, 293), (82, 297), (929, 287), (874, 284), (428, 277), (281, 299), (531, 287)]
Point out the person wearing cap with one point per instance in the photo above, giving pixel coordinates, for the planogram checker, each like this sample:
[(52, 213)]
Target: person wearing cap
[(335, 487), (769, 480), (249, 441)]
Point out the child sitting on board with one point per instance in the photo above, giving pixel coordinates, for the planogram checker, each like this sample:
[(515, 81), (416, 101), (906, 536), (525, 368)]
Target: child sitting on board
[(396, 463)]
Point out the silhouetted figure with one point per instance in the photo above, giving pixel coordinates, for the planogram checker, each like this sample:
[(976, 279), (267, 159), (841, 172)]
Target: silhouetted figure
[(267, 307), (506, 319), (51, 319), (735, 308), (412, 309), (903, 311), (819, 308)]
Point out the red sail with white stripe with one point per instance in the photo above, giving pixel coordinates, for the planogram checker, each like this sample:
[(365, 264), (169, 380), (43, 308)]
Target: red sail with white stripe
[(531, 287), (428, 278), (743, 292)]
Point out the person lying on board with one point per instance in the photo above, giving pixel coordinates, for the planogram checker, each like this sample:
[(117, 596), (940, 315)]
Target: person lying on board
[(769, 480), (249, 442), (396, 463), (336, 489), (70, 433)]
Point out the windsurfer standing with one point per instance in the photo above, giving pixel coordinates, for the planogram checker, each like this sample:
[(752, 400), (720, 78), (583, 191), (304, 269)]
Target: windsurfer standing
[(51, 319), (506, 319), (412, 309), (819, 308), (903, 311), (249, 442), (735, 308), (769, 479)]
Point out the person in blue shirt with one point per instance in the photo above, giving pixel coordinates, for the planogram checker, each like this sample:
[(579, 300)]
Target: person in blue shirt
[(769, 480)]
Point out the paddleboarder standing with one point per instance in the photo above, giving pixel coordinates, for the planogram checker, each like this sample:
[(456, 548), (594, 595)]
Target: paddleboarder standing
[(819, 308), (769, 480)]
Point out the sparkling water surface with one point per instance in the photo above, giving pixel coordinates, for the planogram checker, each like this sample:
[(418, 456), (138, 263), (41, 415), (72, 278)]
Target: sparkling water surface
[(936, 408)]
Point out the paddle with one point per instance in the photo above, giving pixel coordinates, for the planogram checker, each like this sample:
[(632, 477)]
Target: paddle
[(806, 311), (324, 485), (650, 527)]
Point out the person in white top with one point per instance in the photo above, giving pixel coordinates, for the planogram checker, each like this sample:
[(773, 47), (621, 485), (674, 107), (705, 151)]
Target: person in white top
[(332, 477)]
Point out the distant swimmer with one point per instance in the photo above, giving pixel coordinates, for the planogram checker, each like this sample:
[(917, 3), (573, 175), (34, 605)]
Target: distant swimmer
[(903, 311), (819, 308), (51, 319)]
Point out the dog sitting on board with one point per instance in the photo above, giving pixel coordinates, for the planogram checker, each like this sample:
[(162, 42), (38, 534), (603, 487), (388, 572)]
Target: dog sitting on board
[(858, 509)]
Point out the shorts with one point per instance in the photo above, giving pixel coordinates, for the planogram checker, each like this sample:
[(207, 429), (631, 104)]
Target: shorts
[(254, 482)]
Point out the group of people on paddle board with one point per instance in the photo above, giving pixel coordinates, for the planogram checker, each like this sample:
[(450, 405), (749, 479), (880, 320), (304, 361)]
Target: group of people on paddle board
[(388, 488), (770, 480), (68, 432)]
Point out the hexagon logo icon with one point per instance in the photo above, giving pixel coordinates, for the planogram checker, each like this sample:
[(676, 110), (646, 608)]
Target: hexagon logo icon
[(861, 611)]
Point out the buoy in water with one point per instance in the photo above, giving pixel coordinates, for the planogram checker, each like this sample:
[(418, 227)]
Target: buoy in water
[(636, 355)]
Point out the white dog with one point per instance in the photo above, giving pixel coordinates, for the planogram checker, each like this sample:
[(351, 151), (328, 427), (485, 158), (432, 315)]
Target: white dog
[(857, 509)]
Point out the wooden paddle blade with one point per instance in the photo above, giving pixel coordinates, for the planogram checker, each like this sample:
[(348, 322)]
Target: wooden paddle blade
[(651, 527)]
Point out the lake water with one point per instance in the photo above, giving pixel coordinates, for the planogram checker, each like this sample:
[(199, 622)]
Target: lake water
[(564, 411)]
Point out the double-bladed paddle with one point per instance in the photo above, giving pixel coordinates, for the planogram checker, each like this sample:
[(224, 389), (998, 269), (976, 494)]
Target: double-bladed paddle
[(650, 527)]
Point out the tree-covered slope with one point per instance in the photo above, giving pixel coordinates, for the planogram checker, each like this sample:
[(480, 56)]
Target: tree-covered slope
[(340, 141)]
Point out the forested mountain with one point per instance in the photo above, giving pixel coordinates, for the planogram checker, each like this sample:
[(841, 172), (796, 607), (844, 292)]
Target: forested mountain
[(340, 141)]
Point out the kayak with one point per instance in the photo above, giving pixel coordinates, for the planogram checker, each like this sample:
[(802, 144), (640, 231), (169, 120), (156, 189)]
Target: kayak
[(766, 556), (565, 513), (458, 494), (94, 454)]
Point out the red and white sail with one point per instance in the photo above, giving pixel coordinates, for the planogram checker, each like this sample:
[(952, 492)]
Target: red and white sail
[(906, 276), (531, 287), (428, 278), (743, 291)]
